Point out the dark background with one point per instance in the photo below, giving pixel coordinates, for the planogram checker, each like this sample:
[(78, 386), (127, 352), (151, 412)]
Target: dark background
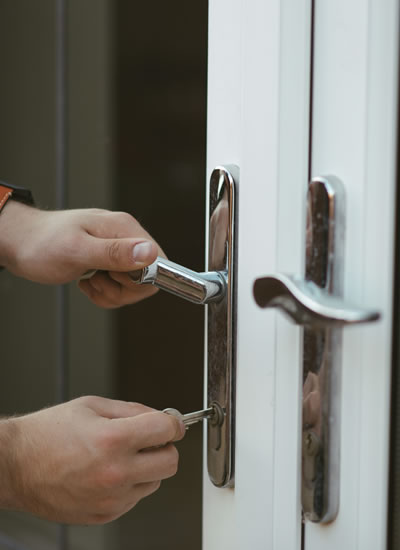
[(110, 114)]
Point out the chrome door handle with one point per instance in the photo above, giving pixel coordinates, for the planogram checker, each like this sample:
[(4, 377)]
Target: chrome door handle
[(199, 288), (307, 304), (316, 302), (216, 289)]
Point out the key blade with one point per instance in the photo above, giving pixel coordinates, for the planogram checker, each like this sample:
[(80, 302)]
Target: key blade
[(197, 416)]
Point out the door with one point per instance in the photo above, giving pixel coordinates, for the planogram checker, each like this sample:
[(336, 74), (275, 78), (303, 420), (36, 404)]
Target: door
[(299, 89)]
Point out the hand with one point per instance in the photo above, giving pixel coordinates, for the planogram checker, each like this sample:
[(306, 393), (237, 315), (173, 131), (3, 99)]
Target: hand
[(60, 246), (312, 412), (87, 461)]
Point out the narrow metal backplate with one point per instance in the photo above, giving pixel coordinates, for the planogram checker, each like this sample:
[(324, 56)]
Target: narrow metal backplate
[(322, 355), (221, 326)]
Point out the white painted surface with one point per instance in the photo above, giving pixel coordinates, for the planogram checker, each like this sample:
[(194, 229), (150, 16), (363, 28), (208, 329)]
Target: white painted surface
[(258, 119), (354, 131)]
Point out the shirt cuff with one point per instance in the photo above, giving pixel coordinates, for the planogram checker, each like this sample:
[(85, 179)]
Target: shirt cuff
[(20, 194)]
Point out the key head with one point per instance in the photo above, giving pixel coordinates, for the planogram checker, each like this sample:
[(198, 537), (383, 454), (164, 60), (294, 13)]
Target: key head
[(174, 412)]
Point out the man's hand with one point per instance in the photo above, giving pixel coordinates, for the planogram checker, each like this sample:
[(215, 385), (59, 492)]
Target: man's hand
[(87, 461), (61, 246)]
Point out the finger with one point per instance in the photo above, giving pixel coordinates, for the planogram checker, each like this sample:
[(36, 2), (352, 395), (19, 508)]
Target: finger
[(100, 292), (153, 464), (109, 224), (103, 291), (125, 280), (85, 287), (151, 430), (310, 384), (140, 491), (97, 300), (131, 292), (311, 408), (125, 254), (135, 494), (103, 284), (105, 224), (114, 408), (106, 292)]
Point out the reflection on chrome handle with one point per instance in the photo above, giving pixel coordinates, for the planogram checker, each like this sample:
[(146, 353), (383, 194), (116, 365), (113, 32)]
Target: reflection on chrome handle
[(307, 304), (316, 302), (199, 288)]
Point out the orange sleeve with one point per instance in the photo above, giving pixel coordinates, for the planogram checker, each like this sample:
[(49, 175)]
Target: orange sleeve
[(5, 194)]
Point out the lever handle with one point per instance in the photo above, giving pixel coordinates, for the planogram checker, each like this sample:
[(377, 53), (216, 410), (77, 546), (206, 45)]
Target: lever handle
[(316, 302), (307, 304), (199, 288)]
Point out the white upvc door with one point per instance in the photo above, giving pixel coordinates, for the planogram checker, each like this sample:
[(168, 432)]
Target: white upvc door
[(355, 95), (258, 118), (274, 66)]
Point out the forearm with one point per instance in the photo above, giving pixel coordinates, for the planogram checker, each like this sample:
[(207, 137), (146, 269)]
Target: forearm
[(9, 476), (57, 247), (86, 461), (15, 219)]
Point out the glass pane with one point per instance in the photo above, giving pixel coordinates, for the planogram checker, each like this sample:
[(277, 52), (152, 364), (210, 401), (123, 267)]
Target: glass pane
[(161, 61)]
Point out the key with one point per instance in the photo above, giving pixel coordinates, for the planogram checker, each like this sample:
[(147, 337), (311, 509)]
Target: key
[(212, 413)]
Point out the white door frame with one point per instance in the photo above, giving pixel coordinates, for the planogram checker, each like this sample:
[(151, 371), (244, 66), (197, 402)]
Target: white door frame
[(258, 120)]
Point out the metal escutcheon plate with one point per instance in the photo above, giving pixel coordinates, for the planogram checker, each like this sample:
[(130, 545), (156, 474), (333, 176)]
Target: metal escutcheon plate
[(322, 355), (221, 326)]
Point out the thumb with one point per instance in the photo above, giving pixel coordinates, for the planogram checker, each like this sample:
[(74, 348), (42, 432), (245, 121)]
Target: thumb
[(113, 408), (121, 254)]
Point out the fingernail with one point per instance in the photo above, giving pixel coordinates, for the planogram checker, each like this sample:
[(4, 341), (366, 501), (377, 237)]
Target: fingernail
[(141, 251)]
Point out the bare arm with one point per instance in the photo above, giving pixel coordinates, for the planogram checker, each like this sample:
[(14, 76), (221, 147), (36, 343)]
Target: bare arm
[(92, 459), (60, 246), (87, 461)]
